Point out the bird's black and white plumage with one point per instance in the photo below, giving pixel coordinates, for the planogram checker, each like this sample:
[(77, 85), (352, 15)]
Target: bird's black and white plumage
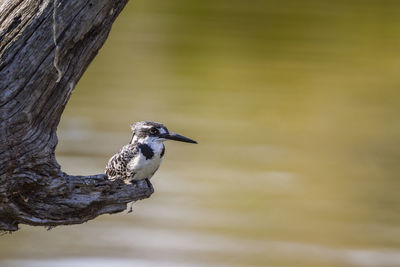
[(141, 158)]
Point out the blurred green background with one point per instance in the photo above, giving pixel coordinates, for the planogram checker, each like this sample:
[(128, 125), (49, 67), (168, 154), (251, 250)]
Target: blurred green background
[(296, 108)]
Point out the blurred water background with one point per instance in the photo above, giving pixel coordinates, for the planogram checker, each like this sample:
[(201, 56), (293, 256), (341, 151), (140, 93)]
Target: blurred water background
[(296, 108)]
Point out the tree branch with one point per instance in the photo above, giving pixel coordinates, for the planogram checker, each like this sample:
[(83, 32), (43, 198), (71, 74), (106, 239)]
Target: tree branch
[(43, 53)]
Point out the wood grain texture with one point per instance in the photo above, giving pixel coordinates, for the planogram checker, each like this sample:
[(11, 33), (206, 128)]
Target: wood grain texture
[(33, 95)]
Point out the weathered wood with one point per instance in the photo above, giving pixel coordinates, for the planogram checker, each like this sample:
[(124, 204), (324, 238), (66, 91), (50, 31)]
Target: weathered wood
[(45, 47)]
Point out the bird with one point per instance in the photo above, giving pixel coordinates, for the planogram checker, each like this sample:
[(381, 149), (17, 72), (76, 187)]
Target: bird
[(142, 157)]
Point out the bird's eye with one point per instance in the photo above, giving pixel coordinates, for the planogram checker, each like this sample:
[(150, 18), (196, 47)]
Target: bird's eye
[(153, 131)]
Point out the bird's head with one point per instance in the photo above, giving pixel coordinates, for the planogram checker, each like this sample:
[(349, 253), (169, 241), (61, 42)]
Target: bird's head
[(148, 131)]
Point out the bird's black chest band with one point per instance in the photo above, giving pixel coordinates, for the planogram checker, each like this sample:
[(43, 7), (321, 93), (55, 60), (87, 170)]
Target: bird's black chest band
[(163, 151), (146, 151)]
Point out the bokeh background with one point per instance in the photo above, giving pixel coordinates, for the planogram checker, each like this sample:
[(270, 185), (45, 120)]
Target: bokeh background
[(296, 108)]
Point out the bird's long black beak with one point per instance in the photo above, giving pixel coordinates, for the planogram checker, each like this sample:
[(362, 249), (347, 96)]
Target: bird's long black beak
[(178, 137)]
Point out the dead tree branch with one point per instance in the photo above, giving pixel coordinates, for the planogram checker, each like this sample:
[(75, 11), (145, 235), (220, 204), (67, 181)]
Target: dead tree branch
[(45, 47)]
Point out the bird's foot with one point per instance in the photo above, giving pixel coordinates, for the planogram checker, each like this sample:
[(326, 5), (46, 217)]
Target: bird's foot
[(138, 183), (142, 183)]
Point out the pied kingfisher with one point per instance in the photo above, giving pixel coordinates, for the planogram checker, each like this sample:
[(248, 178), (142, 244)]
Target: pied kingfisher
[(141, 158)]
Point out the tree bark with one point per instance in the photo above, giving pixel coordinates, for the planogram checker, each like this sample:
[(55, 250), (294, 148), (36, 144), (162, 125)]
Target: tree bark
[(45, 47)]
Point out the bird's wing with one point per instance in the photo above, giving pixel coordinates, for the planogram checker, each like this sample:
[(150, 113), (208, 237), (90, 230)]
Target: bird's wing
[(117, 165)]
